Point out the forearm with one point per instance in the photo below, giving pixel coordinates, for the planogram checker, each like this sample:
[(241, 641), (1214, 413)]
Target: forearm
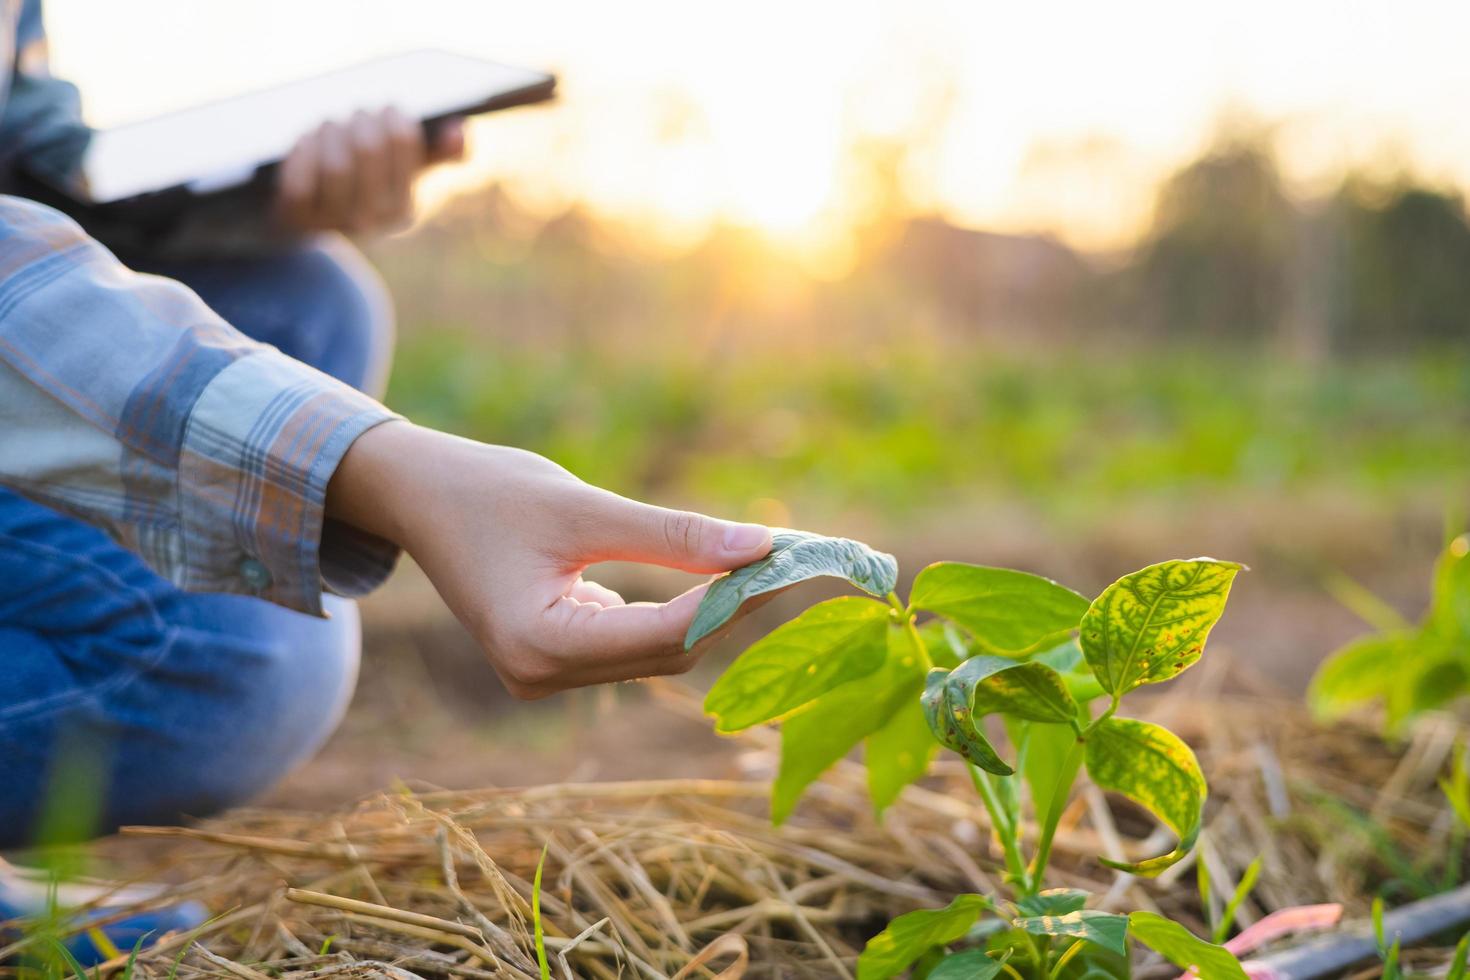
[(125, 401)]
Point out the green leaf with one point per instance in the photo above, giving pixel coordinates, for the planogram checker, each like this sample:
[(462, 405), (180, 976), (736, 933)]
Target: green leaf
[(1153, 767), (1149, 626), (795, 556), (1028, 690), (1449, 612), (1103, 928), (1361, 671), (1364, 604), (830, 644), (972, 964), (1242, 892), (1462, 956), (1208, 904), (1042, 764), (912, 934), (538, 932), (955, 701), (1182, 948), (1006, 611), (831, 726), (1431, 675), (1066, 659), (951, 722), (1053, 901), (899, 753), (1456, 787), (946, 644)]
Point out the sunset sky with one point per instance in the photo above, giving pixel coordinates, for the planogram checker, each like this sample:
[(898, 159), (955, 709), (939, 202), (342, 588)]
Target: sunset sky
[(674, 115)]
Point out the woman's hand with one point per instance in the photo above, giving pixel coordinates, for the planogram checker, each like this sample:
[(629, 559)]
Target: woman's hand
[(505, 535), (358, 176)]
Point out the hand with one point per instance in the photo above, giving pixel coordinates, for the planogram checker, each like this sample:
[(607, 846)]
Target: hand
[(505, 535), (359, 176)]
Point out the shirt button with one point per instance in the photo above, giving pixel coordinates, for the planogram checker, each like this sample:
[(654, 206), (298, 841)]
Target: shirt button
[(256, 575)]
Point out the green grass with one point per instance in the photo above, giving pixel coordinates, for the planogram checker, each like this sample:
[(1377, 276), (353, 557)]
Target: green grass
[(899, 429)]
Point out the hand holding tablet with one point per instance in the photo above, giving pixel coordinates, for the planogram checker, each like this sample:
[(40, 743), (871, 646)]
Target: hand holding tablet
[(165, 162)]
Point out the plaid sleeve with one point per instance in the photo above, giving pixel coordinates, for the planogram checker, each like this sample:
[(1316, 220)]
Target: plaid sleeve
[(125, 401)]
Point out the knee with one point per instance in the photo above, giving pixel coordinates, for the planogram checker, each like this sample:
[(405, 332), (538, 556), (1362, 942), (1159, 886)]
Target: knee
[(348, 311), (240, 735)]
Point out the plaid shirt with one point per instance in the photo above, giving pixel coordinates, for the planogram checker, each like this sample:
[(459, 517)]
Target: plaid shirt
[(126, 402)]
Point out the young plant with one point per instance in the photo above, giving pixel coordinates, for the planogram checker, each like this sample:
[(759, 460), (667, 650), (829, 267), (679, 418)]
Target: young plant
[(1410, 668), (1051, 668)]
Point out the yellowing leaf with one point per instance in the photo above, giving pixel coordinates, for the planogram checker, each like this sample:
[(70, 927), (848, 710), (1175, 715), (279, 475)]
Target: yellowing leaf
[(955, 701), (1103, 928), (1005, 610), (1149, 626), (830, 644), (1153, 767), (1052, 901), (795, 556)]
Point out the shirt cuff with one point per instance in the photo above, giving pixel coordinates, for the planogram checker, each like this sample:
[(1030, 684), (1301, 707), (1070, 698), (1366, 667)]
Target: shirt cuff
[(260, 446)]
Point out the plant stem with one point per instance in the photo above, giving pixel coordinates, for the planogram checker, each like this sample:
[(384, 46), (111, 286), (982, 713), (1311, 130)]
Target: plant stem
[(915, 640), (1064, 959), (1066, 776), (1112, 709), (1004, 829)]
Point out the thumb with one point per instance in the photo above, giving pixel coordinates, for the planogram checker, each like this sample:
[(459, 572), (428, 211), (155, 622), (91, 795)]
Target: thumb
[(626, 530)]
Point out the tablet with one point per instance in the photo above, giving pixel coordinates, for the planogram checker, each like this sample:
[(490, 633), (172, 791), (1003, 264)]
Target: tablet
[(222, 145)]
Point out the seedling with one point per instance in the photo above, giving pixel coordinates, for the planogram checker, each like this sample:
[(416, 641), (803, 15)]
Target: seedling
[(1410, 668), (1048, 667)]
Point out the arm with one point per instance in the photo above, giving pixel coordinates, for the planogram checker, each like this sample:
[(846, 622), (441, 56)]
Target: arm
[(505, 536), (230, 467), (125, 401)]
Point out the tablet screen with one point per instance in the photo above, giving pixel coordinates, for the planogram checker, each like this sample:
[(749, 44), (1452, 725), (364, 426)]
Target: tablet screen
[(220, 144)]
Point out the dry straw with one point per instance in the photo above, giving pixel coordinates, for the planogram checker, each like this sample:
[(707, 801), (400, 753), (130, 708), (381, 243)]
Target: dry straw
[(686, 878)]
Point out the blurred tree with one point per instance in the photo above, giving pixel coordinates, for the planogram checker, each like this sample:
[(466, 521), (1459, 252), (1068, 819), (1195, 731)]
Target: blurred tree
[(1406, 266), (1216, 260)]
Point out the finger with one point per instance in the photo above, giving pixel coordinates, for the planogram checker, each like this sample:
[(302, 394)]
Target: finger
[(449, 142), (613, 528), (405, 156), (296, 181), (592, 645), (335, 179), (584, 591), (374, 199), (586, 636)]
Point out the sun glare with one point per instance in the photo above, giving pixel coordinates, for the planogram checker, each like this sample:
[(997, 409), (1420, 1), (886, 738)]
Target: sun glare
[(677, 117)]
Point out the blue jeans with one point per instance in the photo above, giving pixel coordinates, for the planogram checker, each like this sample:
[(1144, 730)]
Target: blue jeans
[(155, 704)]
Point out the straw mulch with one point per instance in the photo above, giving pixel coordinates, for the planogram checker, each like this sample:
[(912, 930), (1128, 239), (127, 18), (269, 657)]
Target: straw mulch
[(686, 878)]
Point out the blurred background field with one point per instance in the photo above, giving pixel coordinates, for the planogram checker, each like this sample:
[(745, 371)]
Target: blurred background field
[(1061, 288), (958, 394)]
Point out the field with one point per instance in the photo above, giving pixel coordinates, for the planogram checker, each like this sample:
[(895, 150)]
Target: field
[(920, 415)]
